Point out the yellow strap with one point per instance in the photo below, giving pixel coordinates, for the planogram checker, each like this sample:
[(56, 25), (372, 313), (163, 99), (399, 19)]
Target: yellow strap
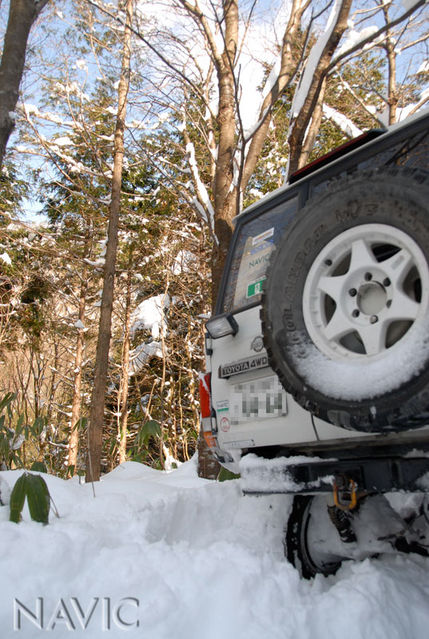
[(352, 503)]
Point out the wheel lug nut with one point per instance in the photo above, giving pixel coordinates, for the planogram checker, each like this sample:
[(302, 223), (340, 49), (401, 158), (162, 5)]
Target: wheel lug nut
[(386, 282), (374, 319), (368, 276), (353, 292), (355, 313)]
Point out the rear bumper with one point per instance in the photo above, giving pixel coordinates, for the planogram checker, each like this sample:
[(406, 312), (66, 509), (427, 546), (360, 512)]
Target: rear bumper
[(313, 475)]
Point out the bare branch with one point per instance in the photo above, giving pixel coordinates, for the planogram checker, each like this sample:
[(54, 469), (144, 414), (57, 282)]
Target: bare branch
[(376, 35), (154, 49)]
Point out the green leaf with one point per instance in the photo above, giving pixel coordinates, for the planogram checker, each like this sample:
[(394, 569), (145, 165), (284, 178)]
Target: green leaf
[(226, 475), (38, 426), (19, 425), (39, 467), (150, 429), (138, 457), (17, 498), (7, 399), (39, 499), (81, 423)]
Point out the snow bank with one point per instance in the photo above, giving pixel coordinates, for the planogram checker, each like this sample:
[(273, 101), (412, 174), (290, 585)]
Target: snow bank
[(190, 559)]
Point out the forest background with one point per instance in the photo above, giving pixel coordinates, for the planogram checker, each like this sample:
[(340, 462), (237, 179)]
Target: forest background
[(140, 130)]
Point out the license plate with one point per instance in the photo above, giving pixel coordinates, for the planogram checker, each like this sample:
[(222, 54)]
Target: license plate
[(260, 399)]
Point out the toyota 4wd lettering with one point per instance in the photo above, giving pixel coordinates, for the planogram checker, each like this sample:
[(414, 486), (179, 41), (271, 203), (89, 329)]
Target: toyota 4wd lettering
[(245, 365)]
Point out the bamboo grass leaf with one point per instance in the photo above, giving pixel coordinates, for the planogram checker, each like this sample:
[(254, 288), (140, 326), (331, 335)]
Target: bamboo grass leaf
[(17, 499), (39, 500)]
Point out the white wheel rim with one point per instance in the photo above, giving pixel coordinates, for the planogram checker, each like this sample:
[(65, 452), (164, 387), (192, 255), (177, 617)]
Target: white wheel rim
[(365, 291)]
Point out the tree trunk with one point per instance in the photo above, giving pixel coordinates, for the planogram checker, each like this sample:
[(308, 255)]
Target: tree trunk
[(225, 195), (77, 383), (95, 429), (123, 399), (301, 123), (392, 93), (293, 40), (313, 127), (22, 14)]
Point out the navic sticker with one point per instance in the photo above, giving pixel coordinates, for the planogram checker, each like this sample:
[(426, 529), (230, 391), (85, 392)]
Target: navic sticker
[(253, 266)]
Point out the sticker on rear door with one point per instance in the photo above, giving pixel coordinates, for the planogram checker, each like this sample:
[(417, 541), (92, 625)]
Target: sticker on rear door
[(225, 424), (222, 406), (253, 266)]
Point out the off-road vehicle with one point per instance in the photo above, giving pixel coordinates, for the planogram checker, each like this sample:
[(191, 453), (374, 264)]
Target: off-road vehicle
[(317, 377)]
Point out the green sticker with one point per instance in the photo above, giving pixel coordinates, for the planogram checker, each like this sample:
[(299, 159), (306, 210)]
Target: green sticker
[(255, 288)]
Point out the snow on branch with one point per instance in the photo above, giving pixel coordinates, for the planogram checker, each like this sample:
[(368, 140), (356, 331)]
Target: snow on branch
[(410, 5), (342, 122), (150, 315), (202, 193), (405, 112), (141, 355), (313, 60), (31, 109), (355, 38)]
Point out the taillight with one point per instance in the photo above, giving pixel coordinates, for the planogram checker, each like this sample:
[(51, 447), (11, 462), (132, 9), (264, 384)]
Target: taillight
[(205, 399), (209, 439), (206, 409)]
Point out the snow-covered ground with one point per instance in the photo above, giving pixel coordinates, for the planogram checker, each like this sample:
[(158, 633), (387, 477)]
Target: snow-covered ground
[(170, 556)]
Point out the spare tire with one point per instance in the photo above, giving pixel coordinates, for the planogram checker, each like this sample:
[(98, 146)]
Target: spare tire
[(345, 309)]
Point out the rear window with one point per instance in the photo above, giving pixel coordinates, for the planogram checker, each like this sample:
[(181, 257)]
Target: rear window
[(256, 241)]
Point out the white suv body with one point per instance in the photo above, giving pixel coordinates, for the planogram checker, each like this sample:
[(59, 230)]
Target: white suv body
[(254, 398)]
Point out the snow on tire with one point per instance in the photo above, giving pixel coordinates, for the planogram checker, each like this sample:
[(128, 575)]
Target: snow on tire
[(346, 302)]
